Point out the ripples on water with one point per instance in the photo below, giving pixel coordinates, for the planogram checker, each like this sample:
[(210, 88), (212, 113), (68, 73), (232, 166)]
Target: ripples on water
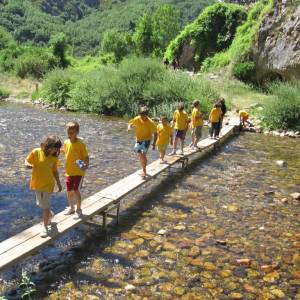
[(233, 197)]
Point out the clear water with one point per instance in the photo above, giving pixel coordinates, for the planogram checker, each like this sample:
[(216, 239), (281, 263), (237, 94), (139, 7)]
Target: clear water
[(224, 208)]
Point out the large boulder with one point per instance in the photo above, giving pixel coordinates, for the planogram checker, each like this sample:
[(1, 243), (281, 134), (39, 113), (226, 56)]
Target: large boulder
[(277, 50)]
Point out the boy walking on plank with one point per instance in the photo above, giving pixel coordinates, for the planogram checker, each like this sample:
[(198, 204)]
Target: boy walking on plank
[(163, 137), (197, 123), (214, 119), (181, 122), (144, 129), (76, 163), (44, 162)]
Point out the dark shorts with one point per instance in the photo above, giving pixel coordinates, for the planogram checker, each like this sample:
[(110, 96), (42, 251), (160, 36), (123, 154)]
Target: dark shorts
[(141, 147), (73, 183), (180, 134)]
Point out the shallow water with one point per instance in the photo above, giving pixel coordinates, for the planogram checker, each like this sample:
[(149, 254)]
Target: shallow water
[(180, 237)]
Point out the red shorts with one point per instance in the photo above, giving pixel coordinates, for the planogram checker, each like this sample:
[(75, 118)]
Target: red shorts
[(73, 183)]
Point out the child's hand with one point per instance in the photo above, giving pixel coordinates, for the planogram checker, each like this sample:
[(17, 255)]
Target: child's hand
[(85, 167), (153, 146), (28, 167)]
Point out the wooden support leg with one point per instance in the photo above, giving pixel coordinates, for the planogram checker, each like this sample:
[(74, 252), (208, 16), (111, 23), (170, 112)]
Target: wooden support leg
[(104, 223)]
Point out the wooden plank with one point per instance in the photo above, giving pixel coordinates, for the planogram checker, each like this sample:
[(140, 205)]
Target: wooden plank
[(36, 242), (36, 229)]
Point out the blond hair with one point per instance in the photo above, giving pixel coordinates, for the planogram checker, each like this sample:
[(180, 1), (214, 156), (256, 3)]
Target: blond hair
[(50, 142), (72, 125)]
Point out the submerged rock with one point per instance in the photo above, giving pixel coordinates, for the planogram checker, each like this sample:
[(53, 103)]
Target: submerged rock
[(295, 196), (281, 163)]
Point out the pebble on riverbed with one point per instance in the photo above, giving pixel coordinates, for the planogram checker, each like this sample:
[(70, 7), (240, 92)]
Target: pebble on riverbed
[(281, 163)]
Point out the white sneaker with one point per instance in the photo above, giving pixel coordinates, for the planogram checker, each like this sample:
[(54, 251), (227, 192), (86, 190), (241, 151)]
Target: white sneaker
[(69, 212), (78, 214), (172, 153), (180, 152), (45, 232), (51, 217)]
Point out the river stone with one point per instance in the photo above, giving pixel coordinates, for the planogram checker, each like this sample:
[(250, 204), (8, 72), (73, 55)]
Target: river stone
[(235, 296), (281, 163), (295, 196), (195, 250), (138, 242), (278, 293), (142, 253), (271, 277)]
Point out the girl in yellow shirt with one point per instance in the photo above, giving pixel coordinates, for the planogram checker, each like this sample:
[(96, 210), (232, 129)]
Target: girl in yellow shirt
[(196, 125), (44, 162)]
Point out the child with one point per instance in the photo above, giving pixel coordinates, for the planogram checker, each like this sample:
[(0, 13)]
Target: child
[(75, 150), (244, 116), (197, 123), (44, 162), (181, 121), (214, 119), (163, 137), (144, 129), (224, 110)]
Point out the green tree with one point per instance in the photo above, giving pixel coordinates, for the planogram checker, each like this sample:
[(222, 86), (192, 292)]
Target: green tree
[(114, 42), (165, 28), (5, 39), (59, 46), (143, 36)]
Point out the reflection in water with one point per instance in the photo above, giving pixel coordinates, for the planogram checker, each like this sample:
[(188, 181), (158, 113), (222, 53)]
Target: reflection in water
[(182, 235)]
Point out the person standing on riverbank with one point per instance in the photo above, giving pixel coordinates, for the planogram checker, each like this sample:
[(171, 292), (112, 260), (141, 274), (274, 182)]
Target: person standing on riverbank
[(197, 124), (144, 129), (44, 163), (181, 124), (163, 137), (214, 119), (76, 163)]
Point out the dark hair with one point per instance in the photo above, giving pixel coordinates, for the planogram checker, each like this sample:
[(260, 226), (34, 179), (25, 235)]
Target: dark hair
[(73, 125), (144, 110), (180, 106), (196, 103), (50, 142)]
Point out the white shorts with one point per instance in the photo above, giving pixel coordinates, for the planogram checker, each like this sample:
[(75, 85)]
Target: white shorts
[(43, 199)]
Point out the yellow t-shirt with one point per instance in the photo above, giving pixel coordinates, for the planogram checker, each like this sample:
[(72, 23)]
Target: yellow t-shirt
[(243, 114), (181, 119), (43, 167), (143, 129), (215, 115), (163, 134), (73, 152), (196, 118)]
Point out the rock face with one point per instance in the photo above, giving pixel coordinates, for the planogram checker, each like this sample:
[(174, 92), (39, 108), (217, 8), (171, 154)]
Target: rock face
[(277, 51)]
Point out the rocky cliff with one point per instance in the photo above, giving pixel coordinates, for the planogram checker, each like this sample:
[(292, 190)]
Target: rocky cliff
[(277, 50)]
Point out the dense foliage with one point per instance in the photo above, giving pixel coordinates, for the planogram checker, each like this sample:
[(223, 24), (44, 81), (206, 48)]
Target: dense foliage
[(120, 90), (211, 32), (37, 21), (240, 53), (283, 111)]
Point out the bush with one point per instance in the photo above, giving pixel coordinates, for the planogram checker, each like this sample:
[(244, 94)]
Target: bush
[(283, 111), (4, 93), (211, 32), (57, 86), (244, 71), (34, 62)]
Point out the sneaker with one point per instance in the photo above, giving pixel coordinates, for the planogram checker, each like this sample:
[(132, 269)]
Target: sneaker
[(191, 145), (180, 152), (78, 214), (172, 153), (70, 211), (45, 232)]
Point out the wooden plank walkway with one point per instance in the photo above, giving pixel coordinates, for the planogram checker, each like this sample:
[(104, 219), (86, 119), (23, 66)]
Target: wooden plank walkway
[(28, 242)]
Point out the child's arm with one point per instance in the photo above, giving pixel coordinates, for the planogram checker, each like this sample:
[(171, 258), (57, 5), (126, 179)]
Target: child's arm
[(154, 140), (129, 127), (56, 176), (28, 165), (86, 161), (171, 139)]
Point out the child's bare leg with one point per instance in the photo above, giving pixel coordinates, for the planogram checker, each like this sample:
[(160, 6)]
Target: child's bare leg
[(175, 143), (71, 200), (78, 199), (46, 216), (181, 144), (162, 155), (143, 161)]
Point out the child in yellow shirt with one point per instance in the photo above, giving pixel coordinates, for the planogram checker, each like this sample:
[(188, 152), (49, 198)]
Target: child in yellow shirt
[(76, 163), (181, 123), (244, 116), (196, 124), (163, 137), (144, 129), (44, 162), (214, 119)]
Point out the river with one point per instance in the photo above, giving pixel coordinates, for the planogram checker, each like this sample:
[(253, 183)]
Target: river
[(179, 237)]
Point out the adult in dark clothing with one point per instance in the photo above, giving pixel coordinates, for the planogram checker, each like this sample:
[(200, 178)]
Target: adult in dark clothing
[(224, 110)]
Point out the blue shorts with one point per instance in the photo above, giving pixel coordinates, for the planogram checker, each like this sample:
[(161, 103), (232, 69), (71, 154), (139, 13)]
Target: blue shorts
[(141, 147), (180, 134)]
